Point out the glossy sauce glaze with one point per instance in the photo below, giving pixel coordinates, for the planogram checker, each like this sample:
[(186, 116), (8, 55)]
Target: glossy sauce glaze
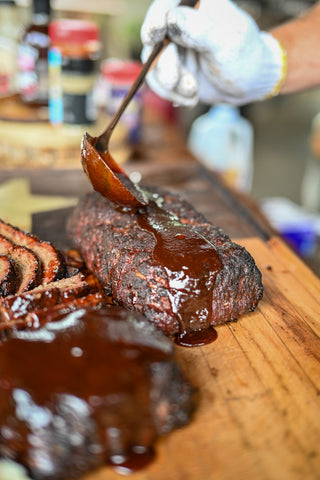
[(191, 263), (107, 177), (78, 393)]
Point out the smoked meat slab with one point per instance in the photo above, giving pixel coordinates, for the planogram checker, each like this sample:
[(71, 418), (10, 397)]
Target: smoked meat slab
[(122, 255)]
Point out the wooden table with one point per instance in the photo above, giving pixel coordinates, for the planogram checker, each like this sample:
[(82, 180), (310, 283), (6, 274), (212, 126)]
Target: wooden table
[(258, 416)]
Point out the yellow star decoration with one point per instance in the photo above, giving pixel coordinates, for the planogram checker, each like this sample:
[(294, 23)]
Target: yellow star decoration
[(17, 203)]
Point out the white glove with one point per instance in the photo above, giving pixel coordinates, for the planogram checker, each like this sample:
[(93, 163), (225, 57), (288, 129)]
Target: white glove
[(218, 54)]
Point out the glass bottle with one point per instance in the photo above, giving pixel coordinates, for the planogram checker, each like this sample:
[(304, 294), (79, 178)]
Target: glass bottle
[(73, 57), (33, 56), (9, 36)]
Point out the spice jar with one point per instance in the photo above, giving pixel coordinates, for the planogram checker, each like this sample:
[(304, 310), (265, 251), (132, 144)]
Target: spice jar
[(73, 59), (118, 76)]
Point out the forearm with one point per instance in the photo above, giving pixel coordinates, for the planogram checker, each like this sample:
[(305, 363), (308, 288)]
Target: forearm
[(301, 40)]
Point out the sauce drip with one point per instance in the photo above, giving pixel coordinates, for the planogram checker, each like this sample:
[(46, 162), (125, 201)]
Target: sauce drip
[(191, 263), (135, 462), (197, 338)]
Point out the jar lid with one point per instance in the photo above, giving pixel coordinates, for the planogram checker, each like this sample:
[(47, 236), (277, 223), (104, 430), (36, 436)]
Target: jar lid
[(121, 72), (67, 31)]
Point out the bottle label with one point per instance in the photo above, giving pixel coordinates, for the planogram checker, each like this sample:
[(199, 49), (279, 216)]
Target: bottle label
[(33, 75), (70, 93), (55, 87), (78, 109)]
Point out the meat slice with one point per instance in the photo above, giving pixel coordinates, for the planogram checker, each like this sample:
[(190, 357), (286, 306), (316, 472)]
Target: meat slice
[(39, 317), (26, 262), (21, 309), (94, 300), (122, 249), (52, 262), (96, 387), (8, 276)]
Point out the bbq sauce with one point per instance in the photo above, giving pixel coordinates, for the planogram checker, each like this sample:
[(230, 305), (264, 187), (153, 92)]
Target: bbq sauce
[(197, 338), (192, 264), (107, 177), (84, 384), (139, 459)]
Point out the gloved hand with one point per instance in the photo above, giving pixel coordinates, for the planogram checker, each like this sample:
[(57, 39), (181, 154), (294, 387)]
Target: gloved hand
[(217, 54)]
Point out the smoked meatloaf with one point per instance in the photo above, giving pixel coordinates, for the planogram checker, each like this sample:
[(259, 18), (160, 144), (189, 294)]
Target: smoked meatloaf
[(121, 253)]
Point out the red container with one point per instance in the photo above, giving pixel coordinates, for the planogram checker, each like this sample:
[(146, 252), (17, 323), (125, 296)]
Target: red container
[(75, 38), (118, 76)]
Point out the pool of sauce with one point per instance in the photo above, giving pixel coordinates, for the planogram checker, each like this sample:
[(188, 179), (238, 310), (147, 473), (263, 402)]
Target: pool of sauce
[(191, 263), (90, 367)]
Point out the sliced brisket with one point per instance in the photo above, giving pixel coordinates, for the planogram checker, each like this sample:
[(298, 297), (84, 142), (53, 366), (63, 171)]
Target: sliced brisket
[(23, 309), (9, 279), (32, 303), (26, 262), (52, 262), (120, 250), (36, 317), (39, 317)]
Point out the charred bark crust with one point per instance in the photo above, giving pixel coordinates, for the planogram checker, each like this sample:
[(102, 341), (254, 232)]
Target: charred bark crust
[(119, 253)]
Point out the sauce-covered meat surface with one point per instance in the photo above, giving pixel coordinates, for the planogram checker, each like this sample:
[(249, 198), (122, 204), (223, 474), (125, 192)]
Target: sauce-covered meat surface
[(168, 262), (94, 387)]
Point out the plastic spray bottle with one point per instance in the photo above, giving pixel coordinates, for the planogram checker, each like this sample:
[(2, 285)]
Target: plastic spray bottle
[(223, 141)]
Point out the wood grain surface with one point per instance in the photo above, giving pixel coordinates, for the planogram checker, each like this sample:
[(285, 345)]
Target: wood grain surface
[(259, 387), (258, 416), (259, 384)]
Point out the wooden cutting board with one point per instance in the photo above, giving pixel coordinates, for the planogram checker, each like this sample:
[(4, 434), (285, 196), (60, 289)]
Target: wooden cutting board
[(259, 383), (259, 409)]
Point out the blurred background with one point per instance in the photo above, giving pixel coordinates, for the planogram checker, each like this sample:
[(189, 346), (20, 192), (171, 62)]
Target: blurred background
[(90, 63)]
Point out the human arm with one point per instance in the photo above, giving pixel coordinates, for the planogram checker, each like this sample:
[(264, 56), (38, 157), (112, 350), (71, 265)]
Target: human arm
[(219, 54), (301, 40)]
